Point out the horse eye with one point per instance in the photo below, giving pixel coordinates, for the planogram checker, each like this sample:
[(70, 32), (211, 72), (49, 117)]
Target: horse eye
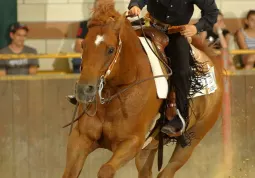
[(110, 50)]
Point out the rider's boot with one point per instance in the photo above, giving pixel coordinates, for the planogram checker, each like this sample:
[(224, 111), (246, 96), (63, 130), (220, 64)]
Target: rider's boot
[(174, 125)]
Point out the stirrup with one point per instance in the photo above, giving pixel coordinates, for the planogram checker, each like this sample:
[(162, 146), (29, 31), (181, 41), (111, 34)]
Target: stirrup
[(170, 132), (71, 99), (183, 121)]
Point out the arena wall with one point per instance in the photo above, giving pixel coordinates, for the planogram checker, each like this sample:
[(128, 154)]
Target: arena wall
[(33, 142)]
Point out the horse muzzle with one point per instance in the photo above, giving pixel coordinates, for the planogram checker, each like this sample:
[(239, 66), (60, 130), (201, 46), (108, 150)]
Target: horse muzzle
[(85, 93)]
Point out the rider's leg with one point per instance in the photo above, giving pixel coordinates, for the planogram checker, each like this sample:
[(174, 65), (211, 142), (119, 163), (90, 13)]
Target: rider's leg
[(179, 52)]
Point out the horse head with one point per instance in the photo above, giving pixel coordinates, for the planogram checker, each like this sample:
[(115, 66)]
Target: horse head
[(101, 50)]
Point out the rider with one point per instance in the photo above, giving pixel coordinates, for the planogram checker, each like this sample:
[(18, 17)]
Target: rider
[(176, 13)]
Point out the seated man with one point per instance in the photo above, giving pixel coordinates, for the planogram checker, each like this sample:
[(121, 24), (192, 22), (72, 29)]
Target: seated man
[(18, 34)]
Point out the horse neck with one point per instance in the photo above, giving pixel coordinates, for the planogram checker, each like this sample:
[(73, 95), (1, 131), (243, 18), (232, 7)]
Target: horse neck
[(133, 62)]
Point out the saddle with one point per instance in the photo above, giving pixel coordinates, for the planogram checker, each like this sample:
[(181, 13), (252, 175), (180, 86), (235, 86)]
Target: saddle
[(158, 38)]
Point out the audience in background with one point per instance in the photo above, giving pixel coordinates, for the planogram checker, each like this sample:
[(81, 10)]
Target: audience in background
[(246, 39), (18, 34), (213, 38), (81, 33), (212, 35)]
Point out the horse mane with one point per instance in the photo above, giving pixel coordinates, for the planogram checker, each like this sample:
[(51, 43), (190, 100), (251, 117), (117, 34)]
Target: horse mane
[(103, 13)]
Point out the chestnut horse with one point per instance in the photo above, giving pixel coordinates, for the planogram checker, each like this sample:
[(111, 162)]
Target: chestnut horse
[(113, 52)]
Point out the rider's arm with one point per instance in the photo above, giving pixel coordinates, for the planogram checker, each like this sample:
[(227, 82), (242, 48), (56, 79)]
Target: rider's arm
[(209, 13), (138, 3)]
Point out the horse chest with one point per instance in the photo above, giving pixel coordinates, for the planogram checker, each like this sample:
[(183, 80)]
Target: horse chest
[(126, 105), (127, 115), (115, 132)]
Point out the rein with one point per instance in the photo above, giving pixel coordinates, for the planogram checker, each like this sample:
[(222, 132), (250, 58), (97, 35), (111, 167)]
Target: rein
[(103, 77), (107, 73)]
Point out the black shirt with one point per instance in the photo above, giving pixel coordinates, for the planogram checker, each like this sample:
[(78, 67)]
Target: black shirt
[(179, 12), (83, 30)]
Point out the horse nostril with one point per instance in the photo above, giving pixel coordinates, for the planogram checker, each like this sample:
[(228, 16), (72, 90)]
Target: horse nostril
[(90, 89)]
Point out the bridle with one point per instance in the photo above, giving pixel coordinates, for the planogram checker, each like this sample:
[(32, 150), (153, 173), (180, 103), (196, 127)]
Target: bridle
[(102, 81), (108, 72)]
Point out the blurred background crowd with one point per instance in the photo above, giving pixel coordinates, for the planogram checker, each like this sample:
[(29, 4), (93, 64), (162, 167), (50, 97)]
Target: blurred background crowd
[(54, 27)]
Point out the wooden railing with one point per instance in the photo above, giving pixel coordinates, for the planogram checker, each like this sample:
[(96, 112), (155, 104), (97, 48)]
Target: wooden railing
[(77, 55)]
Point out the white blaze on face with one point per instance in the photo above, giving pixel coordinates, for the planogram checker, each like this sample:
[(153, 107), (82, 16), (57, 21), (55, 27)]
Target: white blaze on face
[(99, 39)]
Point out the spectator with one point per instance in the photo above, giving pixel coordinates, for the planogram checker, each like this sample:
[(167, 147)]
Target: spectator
[(246, 39), (82, 32), (18, 34), (213, 38), (212, 35)]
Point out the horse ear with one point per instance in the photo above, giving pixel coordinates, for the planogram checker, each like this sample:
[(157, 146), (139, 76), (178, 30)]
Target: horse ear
[(120, 23)]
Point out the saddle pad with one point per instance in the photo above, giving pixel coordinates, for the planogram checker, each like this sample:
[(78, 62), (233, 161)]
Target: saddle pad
[(161, 82)]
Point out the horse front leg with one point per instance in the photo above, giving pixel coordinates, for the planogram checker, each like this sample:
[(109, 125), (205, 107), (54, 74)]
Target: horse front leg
[(80, 144), (79, 147), (124, 152)]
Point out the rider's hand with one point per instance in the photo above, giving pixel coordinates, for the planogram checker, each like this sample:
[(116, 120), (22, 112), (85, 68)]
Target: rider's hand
[(134, 11), (189, 31)]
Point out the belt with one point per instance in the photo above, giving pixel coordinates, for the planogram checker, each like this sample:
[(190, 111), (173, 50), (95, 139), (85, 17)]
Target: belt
[(167, 28), (159, 25)]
